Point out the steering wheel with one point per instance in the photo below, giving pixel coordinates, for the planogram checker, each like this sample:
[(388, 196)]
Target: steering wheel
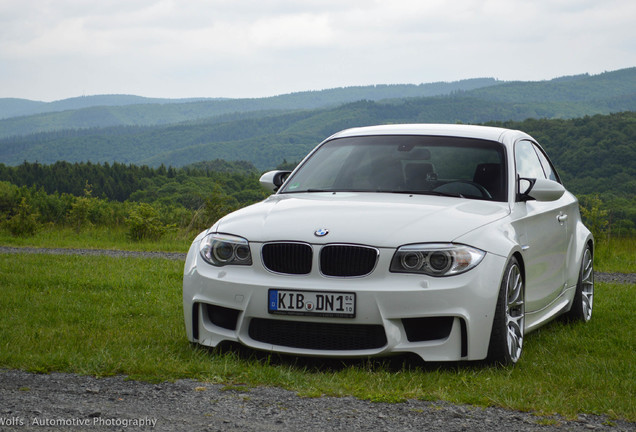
[(459, 187)]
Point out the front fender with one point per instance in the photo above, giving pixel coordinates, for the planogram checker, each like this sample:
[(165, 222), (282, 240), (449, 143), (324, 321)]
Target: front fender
[(496, 238), (578, 242)]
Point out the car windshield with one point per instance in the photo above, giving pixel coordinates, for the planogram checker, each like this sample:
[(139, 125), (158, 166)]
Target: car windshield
[(450, 166)]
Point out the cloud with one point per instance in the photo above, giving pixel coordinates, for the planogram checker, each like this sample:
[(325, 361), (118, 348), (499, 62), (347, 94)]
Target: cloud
[(173, 48), (291, 31)]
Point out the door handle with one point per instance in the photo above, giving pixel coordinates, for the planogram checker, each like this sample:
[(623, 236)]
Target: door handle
[(562, 218)]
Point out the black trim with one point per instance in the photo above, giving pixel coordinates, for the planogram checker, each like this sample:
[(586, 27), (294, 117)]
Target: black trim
[(464, 332), (317, 335), (222, 317), (195, 321), (427, 328)]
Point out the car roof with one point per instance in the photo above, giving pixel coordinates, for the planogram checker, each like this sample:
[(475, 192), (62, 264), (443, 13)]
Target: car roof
[(458, 130)]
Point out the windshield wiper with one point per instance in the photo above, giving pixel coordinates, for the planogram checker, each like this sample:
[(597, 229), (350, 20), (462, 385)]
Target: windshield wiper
[(407, 192), (334, 190), (431, 192)]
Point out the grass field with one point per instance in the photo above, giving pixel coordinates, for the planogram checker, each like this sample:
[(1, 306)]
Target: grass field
[(104, 316), (98, 238), (616, 255)]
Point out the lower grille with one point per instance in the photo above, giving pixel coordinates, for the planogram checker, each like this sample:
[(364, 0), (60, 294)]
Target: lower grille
[(317, 336)]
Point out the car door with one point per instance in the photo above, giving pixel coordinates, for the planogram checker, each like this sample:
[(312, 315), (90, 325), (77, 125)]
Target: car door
[(542, 227)]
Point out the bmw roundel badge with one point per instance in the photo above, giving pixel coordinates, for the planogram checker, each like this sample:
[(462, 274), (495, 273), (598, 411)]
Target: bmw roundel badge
[(321, 232)]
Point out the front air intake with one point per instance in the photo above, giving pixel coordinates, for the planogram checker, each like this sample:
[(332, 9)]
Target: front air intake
[(222, 317), (427, 329)]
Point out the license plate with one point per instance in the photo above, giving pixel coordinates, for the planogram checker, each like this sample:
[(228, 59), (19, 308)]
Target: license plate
[(315, 303)]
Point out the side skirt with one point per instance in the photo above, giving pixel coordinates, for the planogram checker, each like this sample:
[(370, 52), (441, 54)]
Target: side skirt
[(560, 305)]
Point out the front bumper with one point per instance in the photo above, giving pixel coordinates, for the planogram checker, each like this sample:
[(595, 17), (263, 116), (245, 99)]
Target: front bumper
[(439, 319)]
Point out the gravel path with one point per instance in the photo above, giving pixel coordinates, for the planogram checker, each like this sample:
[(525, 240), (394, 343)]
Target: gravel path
[(57, 401), (71, 402), (93, 252)]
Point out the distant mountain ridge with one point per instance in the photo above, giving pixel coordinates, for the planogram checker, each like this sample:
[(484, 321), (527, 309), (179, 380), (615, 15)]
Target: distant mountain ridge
[(577, 88), (21, 116), (13, 107), (266, 131)]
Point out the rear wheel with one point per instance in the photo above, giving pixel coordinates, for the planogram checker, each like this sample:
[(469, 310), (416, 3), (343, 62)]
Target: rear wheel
[(584, 296), (506, 337)]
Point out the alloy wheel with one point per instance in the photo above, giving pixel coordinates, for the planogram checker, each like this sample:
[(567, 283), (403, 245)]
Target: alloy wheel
[(587, 284), (515, 312)]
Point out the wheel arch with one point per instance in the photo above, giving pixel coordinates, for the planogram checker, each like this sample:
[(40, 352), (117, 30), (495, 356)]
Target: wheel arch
[(500, 350), (590, 243), (517, 254), (582, 239)]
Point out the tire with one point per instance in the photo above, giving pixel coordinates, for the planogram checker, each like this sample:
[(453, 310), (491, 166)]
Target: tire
[(506, 337), (583, 301)]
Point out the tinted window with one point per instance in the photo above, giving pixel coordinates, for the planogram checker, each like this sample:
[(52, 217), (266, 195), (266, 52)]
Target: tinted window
[(469, 168)]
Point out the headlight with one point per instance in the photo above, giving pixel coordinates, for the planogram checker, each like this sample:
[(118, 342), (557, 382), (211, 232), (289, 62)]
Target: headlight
[(224, 249), (435, 259)]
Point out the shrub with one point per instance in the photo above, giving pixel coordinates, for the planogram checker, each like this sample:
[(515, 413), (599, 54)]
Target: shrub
[(214, 208), (89, 211), (24, 222), (144, 223), (9, 199), (594, 216), (79, 212)]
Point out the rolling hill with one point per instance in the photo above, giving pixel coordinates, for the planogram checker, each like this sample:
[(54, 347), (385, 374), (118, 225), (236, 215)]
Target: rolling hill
[(12, 107), (266, 131), (21, 117)]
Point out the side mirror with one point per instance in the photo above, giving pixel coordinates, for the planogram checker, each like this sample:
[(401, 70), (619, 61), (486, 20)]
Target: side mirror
[(539, 189), (273, 180)]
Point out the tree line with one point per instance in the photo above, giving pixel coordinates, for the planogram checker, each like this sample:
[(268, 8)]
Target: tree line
[(594, 155), (148, 201), (118, 181)]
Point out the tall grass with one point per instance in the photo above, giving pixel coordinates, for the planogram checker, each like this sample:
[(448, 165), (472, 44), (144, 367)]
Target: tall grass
[(99, 238), (616, 254), (105, 316)]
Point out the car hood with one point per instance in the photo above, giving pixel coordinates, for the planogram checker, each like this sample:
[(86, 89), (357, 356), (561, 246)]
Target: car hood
[(376, 219)]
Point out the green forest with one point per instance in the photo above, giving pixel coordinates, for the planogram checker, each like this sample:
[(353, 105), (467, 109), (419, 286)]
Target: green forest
[(148, 201), (155, 165), (595, 157), (264, 131)]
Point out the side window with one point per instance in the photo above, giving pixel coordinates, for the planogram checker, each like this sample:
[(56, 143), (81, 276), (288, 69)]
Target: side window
[(547, 166), (527, 161)]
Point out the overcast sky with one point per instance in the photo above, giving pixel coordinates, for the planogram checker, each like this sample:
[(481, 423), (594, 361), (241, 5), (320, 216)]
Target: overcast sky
[(55, 49)]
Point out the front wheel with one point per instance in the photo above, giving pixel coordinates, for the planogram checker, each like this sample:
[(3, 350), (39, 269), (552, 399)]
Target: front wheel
[(506, 337), (584, 295)]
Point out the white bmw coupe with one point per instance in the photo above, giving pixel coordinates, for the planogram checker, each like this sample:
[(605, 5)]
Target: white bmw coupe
[(447, 241)]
